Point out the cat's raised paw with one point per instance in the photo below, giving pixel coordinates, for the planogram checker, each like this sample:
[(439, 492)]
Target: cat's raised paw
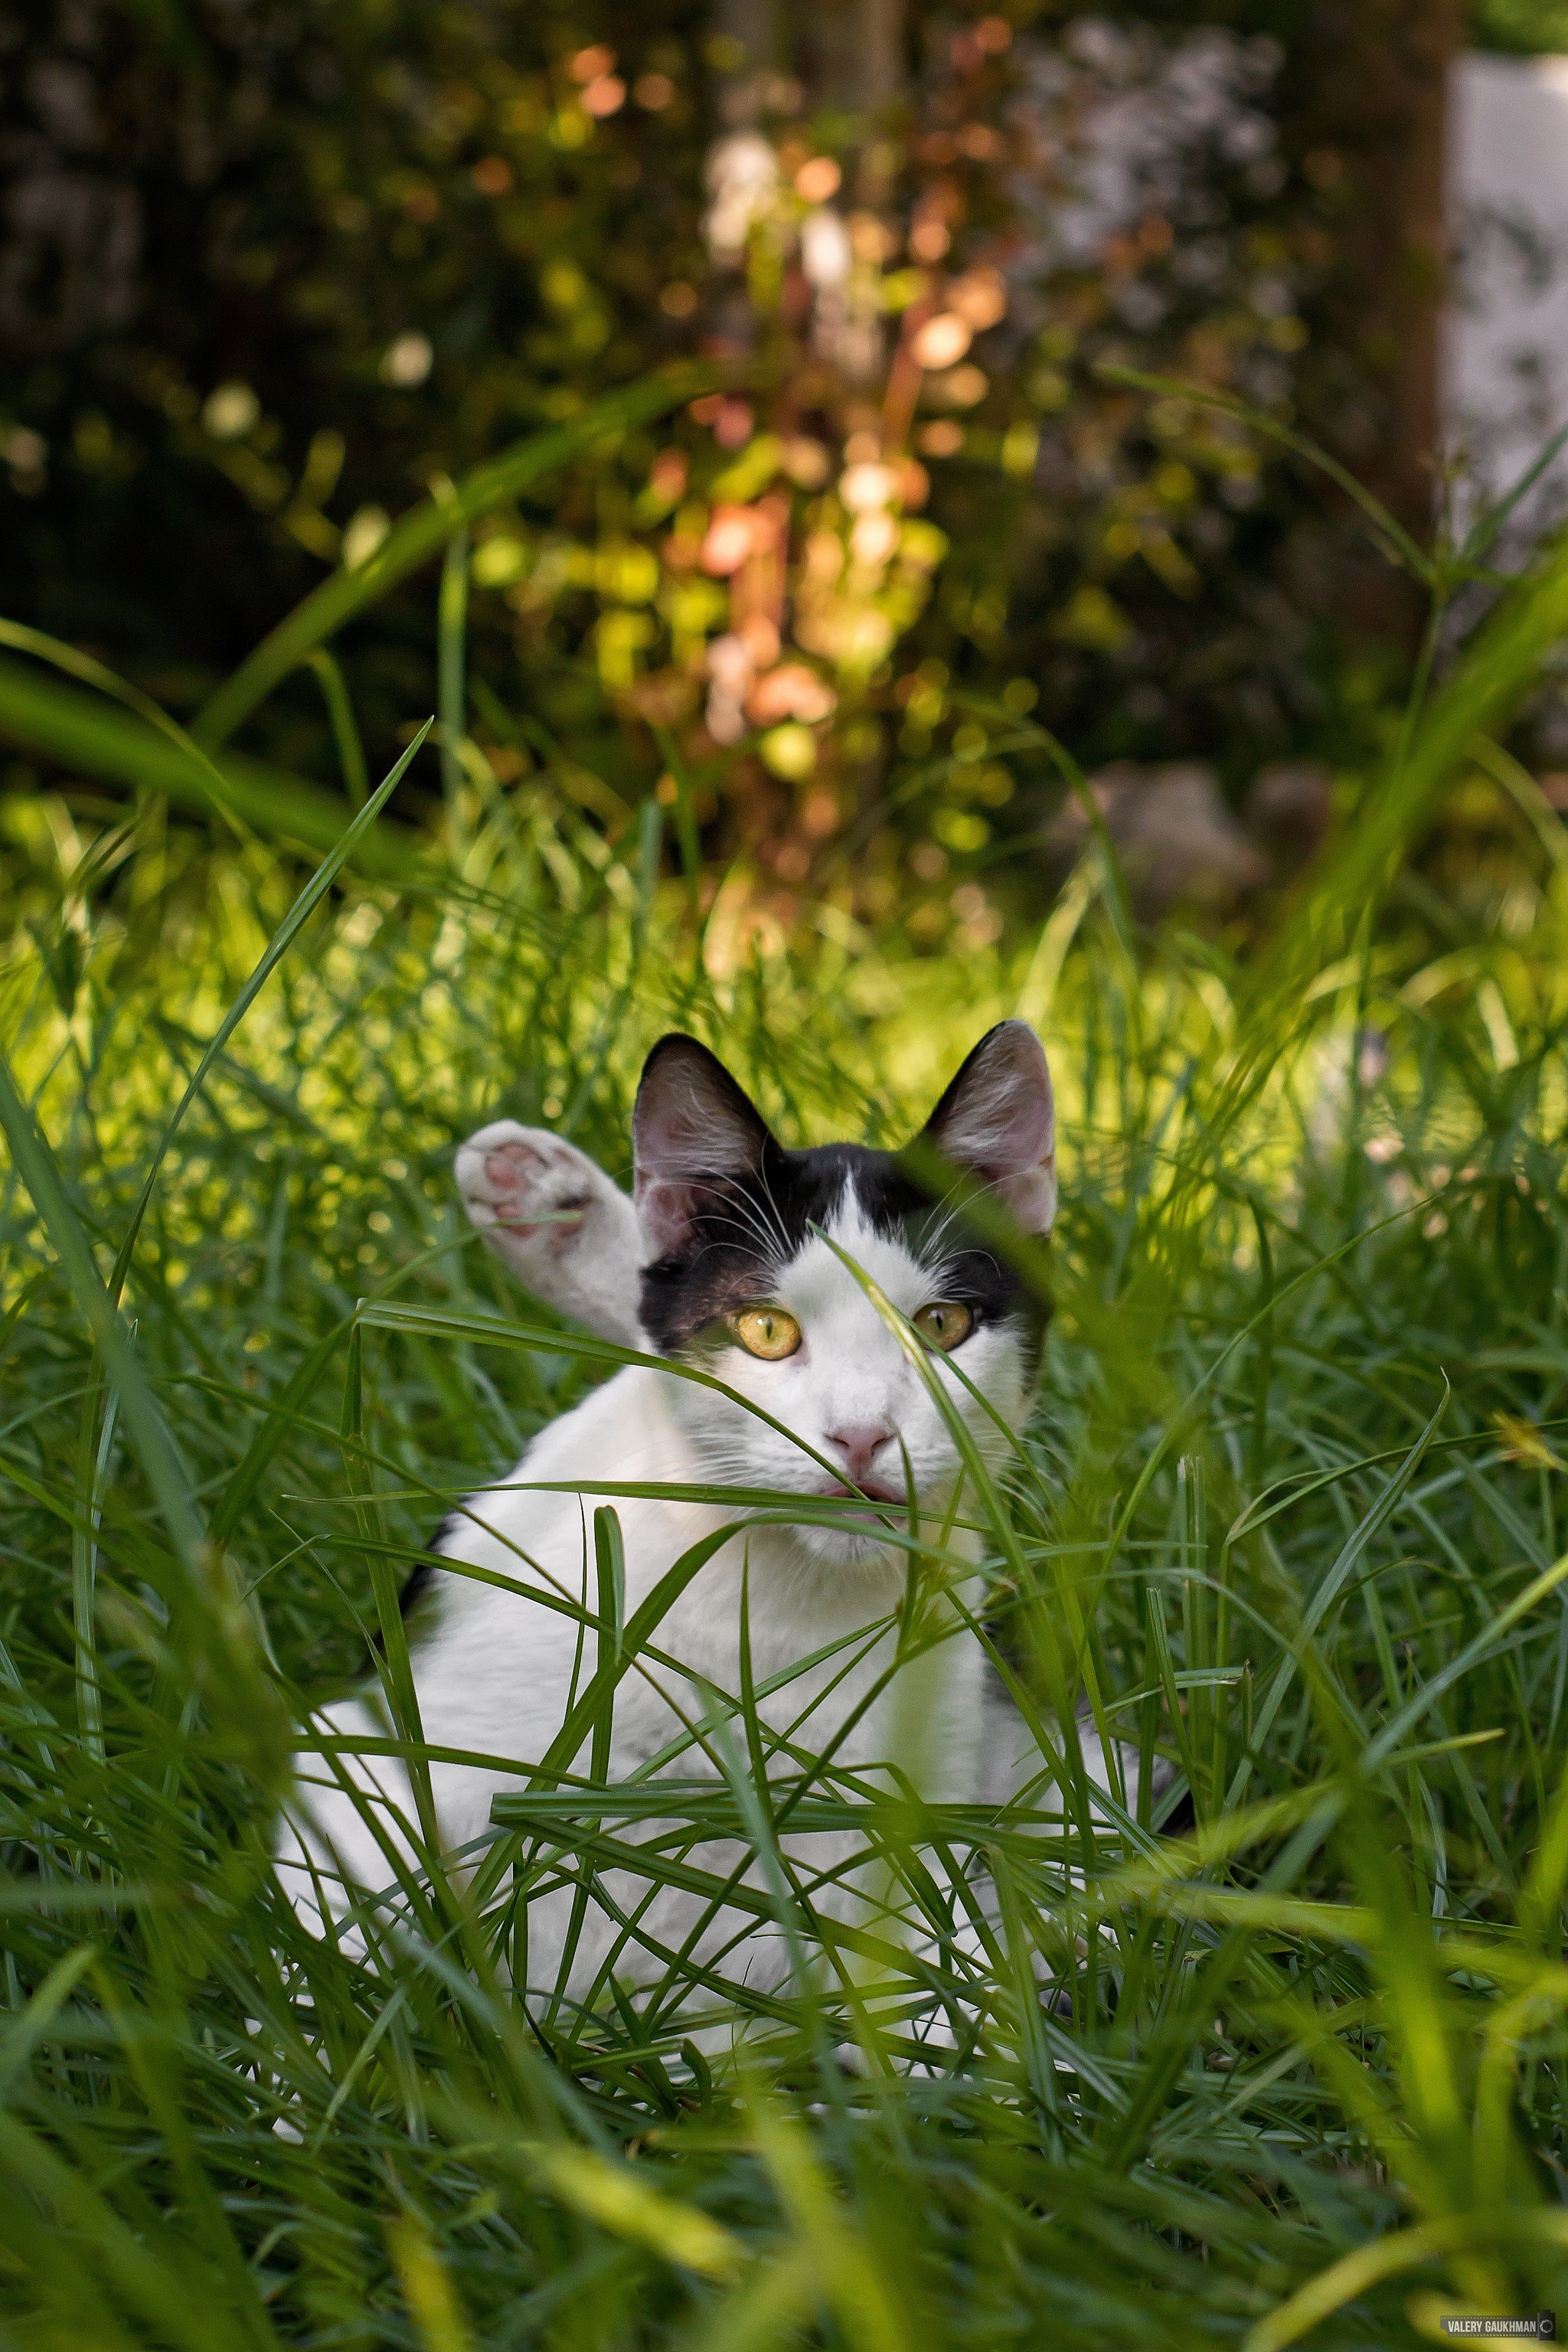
[(556, 1220), (528, 1182)]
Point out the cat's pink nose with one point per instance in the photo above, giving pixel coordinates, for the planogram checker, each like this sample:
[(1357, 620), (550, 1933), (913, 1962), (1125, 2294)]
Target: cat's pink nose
[(860, 1444)]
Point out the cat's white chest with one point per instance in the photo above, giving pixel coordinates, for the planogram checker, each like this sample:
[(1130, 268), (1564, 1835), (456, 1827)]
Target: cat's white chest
[(816, 1645), (840, 1698)]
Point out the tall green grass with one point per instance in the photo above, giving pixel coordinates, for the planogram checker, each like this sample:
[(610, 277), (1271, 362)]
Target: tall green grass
[(1289, 1514)]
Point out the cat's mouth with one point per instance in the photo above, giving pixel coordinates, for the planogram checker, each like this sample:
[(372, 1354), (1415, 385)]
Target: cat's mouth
[(870, 1492)]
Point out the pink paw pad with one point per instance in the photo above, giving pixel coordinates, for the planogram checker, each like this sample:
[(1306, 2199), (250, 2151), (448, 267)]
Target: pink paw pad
[(525, 1199)]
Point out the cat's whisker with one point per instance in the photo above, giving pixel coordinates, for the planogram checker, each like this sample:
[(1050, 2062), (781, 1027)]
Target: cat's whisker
[(781, 1233), (742, 1215)]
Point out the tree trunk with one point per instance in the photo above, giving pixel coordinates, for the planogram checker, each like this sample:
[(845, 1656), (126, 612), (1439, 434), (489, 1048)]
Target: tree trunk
[(748, 39), (856, 55), (750, 28), (1377, 124)]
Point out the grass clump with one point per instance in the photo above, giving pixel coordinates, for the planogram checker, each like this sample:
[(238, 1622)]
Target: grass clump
[(1289, 1513)]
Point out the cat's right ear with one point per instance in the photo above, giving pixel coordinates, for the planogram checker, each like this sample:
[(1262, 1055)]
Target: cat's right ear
[(997, 1119), (692, 1128)]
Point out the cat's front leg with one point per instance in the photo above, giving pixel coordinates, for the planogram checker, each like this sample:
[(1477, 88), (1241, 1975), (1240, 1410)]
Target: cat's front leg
[(555, 1220), (1012, 1762)]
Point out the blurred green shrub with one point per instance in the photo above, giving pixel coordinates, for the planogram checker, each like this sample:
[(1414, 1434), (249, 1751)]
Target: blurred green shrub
[(271, 274), (1526, 25)]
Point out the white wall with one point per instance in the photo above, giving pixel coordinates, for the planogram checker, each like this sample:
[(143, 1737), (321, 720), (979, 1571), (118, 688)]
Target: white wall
[(1505, 356)]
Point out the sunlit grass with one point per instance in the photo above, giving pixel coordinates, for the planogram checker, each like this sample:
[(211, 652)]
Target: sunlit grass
[(1290, 1514)]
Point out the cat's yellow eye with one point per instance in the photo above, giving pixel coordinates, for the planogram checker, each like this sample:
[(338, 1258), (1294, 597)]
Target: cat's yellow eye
[(944, 1323), (768, 1332)]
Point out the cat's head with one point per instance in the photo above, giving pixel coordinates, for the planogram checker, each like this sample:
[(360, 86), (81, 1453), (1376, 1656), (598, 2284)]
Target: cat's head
[(741, 1277)]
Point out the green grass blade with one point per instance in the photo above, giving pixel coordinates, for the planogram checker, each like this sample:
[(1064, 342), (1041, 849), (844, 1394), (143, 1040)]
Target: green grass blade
[(91, 737), (1386, 529), (345, 727), (277, 948), (165, 1471), (451, 635)]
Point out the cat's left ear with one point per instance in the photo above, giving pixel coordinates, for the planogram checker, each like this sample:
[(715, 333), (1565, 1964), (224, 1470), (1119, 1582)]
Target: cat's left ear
[(694, 1131), (998, 1120)]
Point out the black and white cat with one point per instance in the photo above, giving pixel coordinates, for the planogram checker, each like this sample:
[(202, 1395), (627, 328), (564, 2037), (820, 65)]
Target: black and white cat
[(727, 1262)]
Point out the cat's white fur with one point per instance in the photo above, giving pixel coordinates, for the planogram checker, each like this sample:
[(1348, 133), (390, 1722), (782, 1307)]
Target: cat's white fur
[(497, 1676)]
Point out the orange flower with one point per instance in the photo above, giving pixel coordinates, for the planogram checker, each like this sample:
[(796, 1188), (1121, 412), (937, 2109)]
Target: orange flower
[(736, 532), (791, 691), (731, 538), (940, 340)]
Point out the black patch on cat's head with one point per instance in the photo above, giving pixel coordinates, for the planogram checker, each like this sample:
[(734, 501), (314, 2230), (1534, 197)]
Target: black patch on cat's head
[(725, 1206)]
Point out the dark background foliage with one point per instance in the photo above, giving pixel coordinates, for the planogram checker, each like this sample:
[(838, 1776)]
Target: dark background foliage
[(388, 237)]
